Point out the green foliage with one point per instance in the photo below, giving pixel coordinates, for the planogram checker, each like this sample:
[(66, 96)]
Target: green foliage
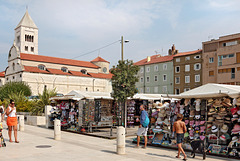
[(124, 80), (44, 99), (14, 88)]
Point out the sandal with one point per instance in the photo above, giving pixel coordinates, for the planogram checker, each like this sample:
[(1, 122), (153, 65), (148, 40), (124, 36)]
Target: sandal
[(16, 141), (184, 159), (178, 157), (10, 141)]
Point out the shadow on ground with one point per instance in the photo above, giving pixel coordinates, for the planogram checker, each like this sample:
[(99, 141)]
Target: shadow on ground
[(108, 151)]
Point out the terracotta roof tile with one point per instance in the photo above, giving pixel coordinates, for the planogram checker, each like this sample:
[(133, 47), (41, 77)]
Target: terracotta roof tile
[(155, 59), (101, 75), (48, 59), (99, 59), (71, 73), (2, 74), (188, 53)]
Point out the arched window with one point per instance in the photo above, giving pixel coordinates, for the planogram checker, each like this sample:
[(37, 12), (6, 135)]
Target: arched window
[(41, 67), (84, 71), (64, 69), (86, 89), (13, 66)]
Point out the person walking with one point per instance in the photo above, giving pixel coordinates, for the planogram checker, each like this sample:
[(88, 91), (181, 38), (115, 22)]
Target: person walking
[(179, 128), (2, 111), (12, 121), (143, 127)]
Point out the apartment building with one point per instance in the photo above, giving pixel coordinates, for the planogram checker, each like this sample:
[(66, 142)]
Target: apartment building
[(155, 75), (187, 70), (221, 60)]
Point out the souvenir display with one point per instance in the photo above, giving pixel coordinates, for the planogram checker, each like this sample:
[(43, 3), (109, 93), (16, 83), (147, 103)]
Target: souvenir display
[(130, 113)]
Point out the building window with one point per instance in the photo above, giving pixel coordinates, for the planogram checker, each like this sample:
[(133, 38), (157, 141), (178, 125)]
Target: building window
[(148, 69), (187, 58), (141, 70), (177, 59), (155, 89), (186, 89), (156, 68), (7, 78), (84, 71), (18, 39), (230, 43), (141, 79), (177, 69), (164, 77), (177, 91), (187, 79), (148, 90), (197, 78), (148, 79), (141, 90), (197, 57), (164, 66), (197, 66), (211, 60), (13, 66), (155, 78), (32, 49), (20, 75), (41, 67), (177, 80), (104, 70), (187, 68), (64, 69), (164, 89), (13, 77), (211, 73), (86, 89), (26, 48)]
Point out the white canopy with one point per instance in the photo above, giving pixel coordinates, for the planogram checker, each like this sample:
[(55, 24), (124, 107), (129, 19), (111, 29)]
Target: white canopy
[(78, 95), (147, 96), (210, 90)]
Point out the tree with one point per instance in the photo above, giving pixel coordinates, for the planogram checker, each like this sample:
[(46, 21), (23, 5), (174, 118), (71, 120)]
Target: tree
[(124, 81), (14, 88)]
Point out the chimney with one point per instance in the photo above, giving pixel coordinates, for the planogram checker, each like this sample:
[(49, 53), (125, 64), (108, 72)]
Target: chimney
[(169, 52), (148, 59)]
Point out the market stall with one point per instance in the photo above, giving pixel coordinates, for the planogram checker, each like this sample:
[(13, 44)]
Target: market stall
[(79, 109), (211, 114)]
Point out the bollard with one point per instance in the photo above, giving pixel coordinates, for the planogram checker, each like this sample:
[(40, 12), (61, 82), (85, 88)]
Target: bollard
[(120, 140), (57, 129), (21, 122)]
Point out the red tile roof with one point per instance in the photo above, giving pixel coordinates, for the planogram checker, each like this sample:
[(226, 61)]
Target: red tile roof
[(71, 73), (2, 74), (188, 53), (155, 59), (101, 75), (99, 59), (48, 59)]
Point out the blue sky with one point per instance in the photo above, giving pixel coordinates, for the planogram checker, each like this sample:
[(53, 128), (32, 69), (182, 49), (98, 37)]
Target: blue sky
[(71, 28)]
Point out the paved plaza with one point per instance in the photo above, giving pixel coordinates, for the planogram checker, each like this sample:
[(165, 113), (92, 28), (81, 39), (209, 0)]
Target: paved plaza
[(37, 144)]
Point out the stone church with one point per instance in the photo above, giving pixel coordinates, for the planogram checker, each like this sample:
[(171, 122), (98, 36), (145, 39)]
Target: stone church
[(24, 64)]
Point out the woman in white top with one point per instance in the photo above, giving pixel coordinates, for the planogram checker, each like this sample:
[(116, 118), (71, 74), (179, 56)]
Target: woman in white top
[(12, 121)]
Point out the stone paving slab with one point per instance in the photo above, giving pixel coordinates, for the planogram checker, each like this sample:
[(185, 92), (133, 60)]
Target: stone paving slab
[(79, 147)]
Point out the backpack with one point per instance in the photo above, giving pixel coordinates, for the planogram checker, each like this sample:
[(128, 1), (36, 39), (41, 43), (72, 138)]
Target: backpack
[(146, 122)]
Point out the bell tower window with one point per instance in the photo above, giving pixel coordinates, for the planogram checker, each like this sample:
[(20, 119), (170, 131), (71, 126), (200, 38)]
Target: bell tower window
[(32, 49), (64, 69), (41, 67), (26, 48), (84, 71)]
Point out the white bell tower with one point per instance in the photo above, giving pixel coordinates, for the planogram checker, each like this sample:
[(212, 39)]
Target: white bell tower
[(26, 35)]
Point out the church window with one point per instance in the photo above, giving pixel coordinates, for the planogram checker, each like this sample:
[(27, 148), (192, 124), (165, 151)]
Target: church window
[(84, 71), (32, 49), (64, 69), (18, 39), (41, 67), (26, 48), (13, 66), (86, 89)]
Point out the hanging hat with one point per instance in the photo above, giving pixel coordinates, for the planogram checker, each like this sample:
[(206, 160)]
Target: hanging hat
[(197, 117), (234, 110), (159, 105), (154, 105), (211, 111), (210, 119), (217, 103), (198, 102), (224, 128), (192, 113), (238, 101), (214, 128), (227, 102), (166, 105), (222, 111), (210, 101), (234, 139), (186, 102)]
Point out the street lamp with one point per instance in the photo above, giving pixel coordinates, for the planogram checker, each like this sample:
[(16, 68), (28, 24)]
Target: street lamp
[(125, 41)]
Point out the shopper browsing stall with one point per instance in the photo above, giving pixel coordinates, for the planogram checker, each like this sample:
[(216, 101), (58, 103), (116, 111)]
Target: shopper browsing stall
[(143, 127), (179, 128)]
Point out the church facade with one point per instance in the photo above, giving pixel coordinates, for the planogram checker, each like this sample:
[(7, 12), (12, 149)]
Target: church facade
[(65, 75)]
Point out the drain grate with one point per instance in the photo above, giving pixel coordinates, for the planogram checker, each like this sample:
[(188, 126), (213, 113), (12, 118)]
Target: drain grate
[(43, 146)]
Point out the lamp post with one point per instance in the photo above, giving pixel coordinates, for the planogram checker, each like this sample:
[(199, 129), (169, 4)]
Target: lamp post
[(125, 41)]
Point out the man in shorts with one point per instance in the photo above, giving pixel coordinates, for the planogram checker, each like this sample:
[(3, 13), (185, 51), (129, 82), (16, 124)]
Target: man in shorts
[(142, 130), (179, 128)]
